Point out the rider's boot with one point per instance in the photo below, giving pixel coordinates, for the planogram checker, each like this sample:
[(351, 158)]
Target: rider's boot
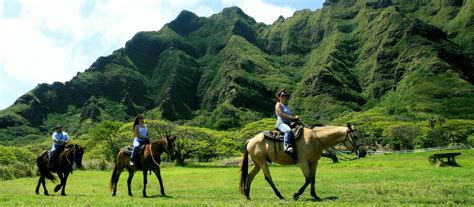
[(288, 148)]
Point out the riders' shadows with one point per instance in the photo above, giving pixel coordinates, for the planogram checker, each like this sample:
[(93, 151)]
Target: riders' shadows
[(330, 198), (159, 196)]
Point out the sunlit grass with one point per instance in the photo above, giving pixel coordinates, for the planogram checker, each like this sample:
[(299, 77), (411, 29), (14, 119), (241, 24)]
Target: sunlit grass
[(376, 180)]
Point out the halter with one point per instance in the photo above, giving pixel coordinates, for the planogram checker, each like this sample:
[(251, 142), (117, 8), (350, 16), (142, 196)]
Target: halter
[(351, 141)]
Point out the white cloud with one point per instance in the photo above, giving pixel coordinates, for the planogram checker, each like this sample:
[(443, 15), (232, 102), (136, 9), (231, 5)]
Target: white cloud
[(260, 10), (52, 41)]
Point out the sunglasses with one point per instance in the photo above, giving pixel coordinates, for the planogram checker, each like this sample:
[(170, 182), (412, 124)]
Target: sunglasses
[(283, 95)]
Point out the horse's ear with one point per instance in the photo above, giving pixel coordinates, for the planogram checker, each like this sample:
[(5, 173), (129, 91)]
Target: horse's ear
[(349, 126)]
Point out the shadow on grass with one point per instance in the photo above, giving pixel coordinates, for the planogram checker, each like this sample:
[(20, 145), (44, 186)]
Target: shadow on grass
[(330, 198), (159, 196)]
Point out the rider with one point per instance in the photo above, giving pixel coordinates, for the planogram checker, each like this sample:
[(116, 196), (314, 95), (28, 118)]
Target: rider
[(284, 117), (60, 139), (141, 137)]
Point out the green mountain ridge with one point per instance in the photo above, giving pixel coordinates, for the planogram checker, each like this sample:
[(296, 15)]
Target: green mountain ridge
[(404, 58)]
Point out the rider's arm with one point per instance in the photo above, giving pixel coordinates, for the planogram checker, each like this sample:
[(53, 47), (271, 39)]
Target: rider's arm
[(56, 140), (137, 133)]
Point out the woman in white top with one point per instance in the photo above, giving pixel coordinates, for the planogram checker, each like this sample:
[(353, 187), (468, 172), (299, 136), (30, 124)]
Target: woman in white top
[(284, 117), (141, 137)]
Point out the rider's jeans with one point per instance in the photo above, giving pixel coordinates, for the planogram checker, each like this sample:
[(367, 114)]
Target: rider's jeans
[(283, 127)]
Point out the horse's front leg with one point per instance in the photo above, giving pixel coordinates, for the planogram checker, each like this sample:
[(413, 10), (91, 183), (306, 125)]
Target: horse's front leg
[(313, 168), (306, 172), (157, 172), (63, 183), (58, 186), (145, 181)]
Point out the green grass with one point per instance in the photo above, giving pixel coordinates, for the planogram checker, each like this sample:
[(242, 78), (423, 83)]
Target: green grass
[(376, 180)]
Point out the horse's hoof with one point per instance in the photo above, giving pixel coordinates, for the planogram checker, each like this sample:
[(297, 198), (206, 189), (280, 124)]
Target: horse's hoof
[(56, 189), (63, 194), (46, 193), (296, 196), (131, 195), (316, 198), (113, 195)]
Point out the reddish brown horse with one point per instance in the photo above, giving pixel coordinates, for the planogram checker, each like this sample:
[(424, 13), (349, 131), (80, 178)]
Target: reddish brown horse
[(66, 159), (308, 152), (149, 160)]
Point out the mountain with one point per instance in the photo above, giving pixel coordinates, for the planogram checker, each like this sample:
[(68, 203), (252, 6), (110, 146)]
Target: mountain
[(404, 58)]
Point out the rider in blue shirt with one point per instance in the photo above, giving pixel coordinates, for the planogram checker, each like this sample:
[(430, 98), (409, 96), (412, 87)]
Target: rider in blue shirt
[(60, 139), (284, 117)]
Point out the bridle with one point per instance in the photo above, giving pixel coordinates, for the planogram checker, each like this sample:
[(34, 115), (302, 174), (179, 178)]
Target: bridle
[(349, 139), (76, 158)]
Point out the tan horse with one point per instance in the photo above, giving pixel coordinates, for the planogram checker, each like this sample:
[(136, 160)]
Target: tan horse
[(149, 161), (308, 151)]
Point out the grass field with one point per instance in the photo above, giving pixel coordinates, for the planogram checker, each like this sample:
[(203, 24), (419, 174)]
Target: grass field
[(376, 180)]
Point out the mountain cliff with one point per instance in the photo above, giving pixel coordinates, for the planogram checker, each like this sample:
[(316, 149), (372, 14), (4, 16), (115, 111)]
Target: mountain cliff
[(404, 58)]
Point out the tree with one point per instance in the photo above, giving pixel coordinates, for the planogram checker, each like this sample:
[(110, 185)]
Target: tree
[(402, 136), (191, 142), (108, 133)]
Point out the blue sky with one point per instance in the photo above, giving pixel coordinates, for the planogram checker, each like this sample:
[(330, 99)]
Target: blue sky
[(47, 41)]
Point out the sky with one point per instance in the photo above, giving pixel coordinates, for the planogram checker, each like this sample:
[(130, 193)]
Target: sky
[(53, 40)]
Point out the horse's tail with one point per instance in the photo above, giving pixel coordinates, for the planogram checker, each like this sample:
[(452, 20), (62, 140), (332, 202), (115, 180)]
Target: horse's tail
[(43, 168), (244, 168), (113, 179)]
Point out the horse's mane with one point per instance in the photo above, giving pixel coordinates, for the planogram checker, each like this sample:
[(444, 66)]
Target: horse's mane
[(323, 130)]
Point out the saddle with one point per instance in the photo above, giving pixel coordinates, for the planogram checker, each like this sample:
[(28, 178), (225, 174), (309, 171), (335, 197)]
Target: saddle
[(129, 149), (277, 135)]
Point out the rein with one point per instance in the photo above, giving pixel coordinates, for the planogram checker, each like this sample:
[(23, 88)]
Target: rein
[(153, 157), (74, 154)]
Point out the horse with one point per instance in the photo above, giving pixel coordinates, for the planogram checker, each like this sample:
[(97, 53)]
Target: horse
[(70, 155), (308, 152), (149, 160)]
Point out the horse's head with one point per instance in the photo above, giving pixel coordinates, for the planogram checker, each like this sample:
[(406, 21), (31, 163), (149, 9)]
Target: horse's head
[(169, 149), (78, 152), (354, 142)]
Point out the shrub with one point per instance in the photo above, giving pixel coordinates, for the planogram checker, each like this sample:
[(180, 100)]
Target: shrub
[(16, 162)]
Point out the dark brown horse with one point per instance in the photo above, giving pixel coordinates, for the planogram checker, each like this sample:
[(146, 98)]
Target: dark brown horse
[(149, 160), (66, 159), (308, 151)]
